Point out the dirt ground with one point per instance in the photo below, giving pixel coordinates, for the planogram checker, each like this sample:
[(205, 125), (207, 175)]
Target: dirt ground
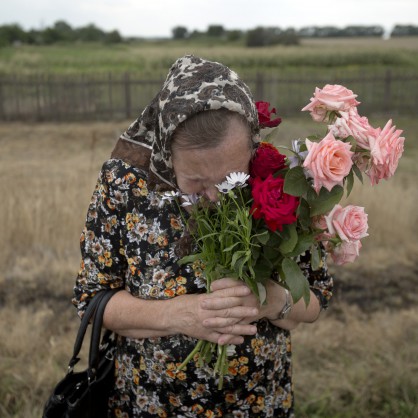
[(371, 290)]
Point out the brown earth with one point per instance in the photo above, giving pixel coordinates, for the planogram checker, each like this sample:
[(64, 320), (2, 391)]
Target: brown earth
[(392, 288)]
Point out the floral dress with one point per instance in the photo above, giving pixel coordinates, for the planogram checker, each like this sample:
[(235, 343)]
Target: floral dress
[(130, 241)]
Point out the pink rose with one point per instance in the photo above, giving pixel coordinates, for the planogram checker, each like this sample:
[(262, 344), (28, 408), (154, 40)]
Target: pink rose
[(350, 123), (330, 98), (386, 148), (346, 252), (328, 162), (349, 223)]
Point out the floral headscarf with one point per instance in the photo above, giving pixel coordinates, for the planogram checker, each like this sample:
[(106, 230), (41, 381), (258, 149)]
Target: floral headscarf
[(193, 85)]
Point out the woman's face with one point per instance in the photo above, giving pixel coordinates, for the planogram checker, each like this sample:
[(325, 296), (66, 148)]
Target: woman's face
[(198, 170)]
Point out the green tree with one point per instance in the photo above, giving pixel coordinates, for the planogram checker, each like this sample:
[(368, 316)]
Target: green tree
[(90, 33), (261, 36), (10, 34), (180, 32), (404, 30), (64, 30), (215, 31), (113, 37), (234, 35)]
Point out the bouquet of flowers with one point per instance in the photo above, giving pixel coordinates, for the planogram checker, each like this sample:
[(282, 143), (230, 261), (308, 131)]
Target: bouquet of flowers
[(290, 203)]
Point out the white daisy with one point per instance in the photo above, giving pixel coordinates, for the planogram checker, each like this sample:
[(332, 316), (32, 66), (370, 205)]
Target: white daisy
[(170, 195), (238, 179), (190, 199), (224, 187)]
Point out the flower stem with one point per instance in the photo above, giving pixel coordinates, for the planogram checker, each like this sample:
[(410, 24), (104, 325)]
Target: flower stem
[(191, 355), (221, 365)]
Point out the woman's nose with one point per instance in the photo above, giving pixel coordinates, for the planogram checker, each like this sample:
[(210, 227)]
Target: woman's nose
[(212, 193)]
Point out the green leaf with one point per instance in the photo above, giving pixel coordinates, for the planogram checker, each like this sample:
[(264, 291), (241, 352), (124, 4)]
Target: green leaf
[(239, 265), (303, 213), (325, 201), (231, 247), (262, 270), (304, 243), (288, 245), (295, 182), (357, 172), (295, 280), (263, 237), (314, 138), (350, 139), (270, 252), (350, 182), (237, 255), (275, 239), (189, 259)]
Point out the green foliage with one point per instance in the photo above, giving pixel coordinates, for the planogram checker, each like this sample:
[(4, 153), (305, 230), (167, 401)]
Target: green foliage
[(179, 32), (295, 182), (60, 32), (215, 31), (295, 280), (405, 30), (152, 58), (324, 201), (10, 34), (261, 36)]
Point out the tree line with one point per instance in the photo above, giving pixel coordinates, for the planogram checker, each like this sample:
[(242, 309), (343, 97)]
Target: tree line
[(61, 31), (264, 36)]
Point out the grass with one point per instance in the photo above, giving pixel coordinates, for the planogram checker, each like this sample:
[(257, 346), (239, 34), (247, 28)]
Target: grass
[(154, 58), (358, 360)]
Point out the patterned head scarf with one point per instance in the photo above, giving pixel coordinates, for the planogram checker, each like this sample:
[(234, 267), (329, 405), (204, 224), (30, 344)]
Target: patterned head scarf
[(193, 85)]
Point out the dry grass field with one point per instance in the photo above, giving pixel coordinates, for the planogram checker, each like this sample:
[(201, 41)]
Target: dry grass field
[(153, 58), (358, 361)]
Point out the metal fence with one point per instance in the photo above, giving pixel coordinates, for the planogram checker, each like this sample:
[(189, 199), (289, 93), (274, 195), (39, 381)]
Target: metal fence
[(123, 96)]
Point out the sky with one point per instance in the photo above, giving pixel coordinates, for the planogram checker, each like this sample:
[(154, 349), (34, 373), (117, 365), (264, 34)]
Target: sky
[(157, 18)]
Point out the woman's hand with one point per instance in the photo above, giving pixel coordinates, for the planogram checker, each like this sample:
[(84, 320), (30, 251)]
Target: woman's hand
[(222, 316)]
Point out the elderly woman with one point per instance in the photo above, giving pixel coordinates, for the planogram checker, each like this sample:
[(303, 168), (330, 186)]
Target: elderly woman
[(199, 128)]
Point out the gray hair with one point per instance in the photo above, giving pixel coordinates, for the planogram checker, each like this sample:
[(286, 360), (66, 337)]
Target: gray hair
[(207, 129)]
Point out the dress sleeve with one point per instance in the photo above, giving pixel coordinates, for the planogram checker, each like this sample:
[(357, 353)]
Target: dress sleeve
[(103, 264), (320, 281)]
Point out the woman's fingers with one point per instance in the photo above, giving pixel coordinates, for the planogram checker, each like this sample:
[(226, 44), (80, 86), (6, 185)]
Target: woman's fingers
[(212, 302), (227, 317), (225, 283)]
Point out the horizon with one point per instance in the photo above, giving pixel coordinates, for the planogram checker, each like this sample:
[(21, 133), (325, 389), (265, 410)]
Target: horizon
[(132, 18)]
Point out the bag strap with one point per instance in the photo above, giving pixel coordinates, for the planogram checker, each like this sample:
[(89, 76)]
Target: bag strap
[(85, 321), (96, 331)]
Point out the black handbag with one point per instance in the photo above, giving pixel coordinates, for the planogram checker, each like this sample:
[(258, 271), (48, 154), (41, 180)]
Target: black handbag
[(85, 394)]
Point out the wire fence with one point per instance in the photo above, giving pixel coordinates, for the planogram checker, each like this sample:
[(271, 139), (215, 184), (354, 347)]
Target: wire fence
[(123, 96)]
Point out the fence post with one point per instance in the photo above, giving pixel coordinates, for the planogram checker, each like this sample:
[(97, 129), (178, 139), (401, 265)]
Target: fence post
[(2, 115), (388, 90), (259, 86), (127, 96), (110, 94), (38, 97)]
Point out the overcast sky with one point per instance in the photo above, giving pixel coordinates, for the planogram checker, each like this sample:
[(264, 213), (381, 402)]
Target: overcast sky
[(155, 18)]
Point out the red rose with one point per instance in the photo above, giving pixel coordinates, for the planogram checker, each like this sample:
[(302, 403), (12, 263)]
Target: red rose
[(264, 115), (267, 160), (271, 204)]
